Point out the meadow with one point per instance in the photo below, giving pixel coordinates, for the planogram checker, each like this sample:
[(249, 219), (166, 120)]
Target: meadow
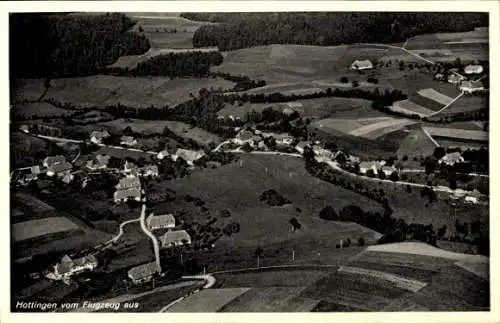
[(473, 135)]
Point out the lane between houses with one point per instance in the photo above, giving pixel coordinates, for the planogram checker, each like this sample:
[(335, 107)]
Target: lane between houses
[(151, 236)]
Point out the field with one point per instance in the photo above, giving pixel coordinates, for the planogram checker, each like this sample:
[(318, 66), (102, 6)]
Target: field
[(262, 224), (416, 144), (379, 129), (312, 108), (410, 107), (466, 103), (460, 40), (103, 90), (414, 81), (35, 228), (436, 96), (297, 63), (24, 148), (39, 110), (207, 300), (473, 135), (148, 127), (451, 143)]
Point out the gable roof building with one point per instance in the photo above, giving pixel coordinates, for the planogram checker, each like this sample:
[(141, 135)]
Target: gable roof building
[(473, 69), (59, 169), (452, 158), (128, 182), (128, 141), (99, 162), (471, 86), (133, 193), (67, 267), (455, 78), (98, 136), (175, 238), (143, 273), (361, 65), (160, 221), (162, 154), (149, 170), (188, 155)]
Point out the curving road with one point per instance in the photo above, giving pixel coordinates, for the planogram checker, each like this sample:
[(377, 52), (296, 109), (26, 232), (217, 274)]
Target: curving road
[(120, 233), (151, 236)]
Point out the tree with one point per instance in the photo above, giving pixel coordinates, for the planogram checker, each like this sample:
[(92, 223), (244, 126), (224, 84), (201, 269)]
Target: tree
[(394, 176), (295, 224), (341, 158), (328, 213), (344, 79), (361, 241), (370, 173), (225, 213), (308, 154), (355, 83), (128, 131), (441, 232), (439, 152)]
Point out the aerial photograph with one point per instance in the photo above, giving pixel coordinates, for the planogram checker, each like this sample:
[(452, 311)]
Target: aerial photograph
[(186, 162)]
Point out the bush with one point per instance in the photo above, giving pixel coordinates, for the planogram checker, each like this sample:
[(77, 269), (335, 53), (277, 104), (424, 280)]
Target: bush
[(361, 242), (328, 213), (344, 79)]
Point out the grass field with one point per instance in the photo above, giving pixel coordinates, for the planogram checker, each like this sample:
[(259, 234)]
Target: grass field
[(410, 107), (34, 110), (34, 228), (141, 92), (376, 130), (148, 127), (272, 278), (451, 143), (414, 81), (436, 96), (262, 224), (473, 135), (466, 103), (207, 300), (296, 63), (416, 144), (473, 39)]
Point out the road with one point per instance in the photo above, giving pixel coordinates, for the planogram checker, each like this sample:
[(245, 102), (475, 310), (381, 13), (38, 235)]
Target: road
[(151, 236), (120, 233), (446, 106), (209, 282), (429, 136)]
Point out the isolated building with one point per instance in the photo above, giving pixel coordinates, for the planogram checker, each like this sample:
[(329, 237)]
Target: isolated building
[(60, 169), (162, 154), (471, 87), (455, 78), (156, 222), (367, 165), (439, 77), (143, 273), (246, 136), (361, 65), (128, 141), (473, 69), (471, 200), (388, 170), (97, 136), (175, 238), (188, 155)]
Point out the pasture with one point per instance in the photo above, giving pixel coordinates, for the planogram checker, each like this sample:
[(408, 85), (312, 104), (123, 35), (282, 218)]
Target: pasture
[(461, 40), (262, 224), (149, 127), (139, 92), (416, 144), (34, 228), (410, 107), (414, 81), (473, 135), (39, 110), (376, 130), (436, 96), (296, 63), (466, 103)]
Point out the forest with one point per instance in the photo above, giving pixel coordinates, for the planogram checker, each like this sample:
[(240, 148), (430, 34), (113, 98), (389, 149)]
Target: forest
[(62, 45), (241, 30)]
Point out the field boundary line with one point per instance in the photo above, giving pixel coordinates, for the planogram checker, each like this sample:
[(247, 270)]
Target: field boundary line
[(446, 106), (429, 136)]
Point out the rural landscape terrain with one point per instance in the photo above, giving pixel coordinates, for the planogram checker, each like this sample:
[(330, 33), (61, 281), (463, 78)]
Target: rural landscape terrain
[(249, 162)]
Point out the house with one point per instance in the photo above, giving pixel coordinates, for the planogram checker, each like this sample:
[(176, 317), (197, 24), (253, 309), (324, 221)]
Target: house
[(284, 140), (128, 141), (130, 168), (246, 136), (28, 175), (99, 162), (124, 195), (471, 87), (128, 182), (68, 267), (188, 155), (301, 145), (353, 159), (61, 169), (439, 76), (455, 78), (361, 65), (149, 170), (452, 159), (143, 273), (162, 154), (24, 128), (97, 136), (367, 165), (471, 200), (388, 170), (175, 238), (67, 178), (53, 160), (473, 69), (165, 221)]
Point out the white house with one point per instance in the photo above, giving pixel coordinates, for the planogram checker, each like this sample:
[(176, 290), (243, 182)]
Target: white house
[(175, 238), (367, 165), (188, 155), (471, 200), (469, 87), (68, 267), (455, 78), (149, 170), (388, 170), (452, 159), (128, 141), (162, 154), (361, 65), (53, 160), (97, 136), (165, 221), (473, 69)]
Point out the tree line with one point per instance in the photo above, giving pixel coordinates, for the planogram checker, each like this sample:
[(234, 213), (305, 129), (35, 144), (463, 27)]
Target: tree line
[(62, 45), (242, 30)]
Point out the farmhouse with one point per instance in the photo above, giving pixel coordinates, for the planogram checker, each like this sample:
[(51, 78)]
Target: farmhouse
[(53, 160), (99, 162), (455, 78), (124, 195), (188, 155), (388, 170), (471, 87), (166, 221), (452, 158), (175, 238), (24, 128), (128, 141), (97, 136), (439, 77), (361, 65), (128, 182), (130, 168), (60, 169), (473, 69), (67, 178), (149, 170), (246, 136), (365, 166), (68, 267), (471, 200), (143, 273), (25, 177), (301, 145)]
